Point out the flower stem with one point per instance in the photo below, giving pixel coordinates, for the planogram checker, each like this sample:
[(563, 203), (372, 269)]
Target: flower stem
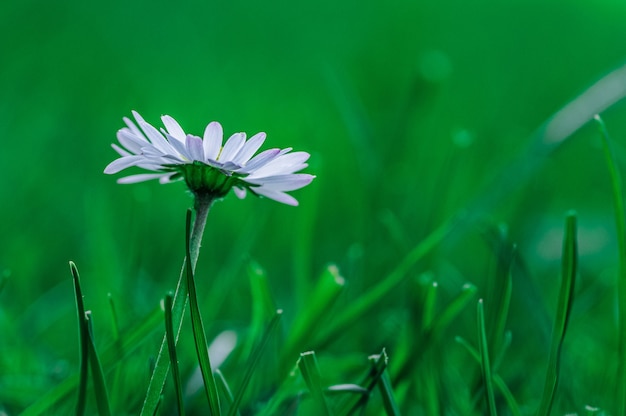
[(202, 205)]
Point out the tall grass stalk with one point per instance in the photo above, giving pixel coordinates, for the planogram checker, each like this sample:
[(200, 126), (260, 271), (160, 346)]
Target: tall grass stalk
[(564, 307), (161, 368), (620, 225)]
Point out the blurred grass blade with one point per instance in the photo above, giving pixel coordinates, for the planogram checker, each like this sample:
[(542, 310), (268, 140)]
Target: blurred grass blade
[(327, 289), (131, 338), (386, 392), (117, 344), (407, 363), (252, 363), (620, 225), (564, 307), (485, 363), (311, 375), (497, 380), (171, 347), (97, 375), (263, 306), (378, 365), (502, 297), (83, 335), (202, 348), (224, 389), (430, 301), (368, 300)]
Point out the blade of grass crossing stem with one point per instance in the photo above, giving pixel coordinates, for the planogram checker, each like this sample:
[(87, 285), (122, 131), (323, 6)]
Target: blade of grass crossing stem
[(307, 364), (97, 375), (620, 225), (224, 389), (202, 348), (83, 335), (564, 307), (254, 360), (171, 347), (485, 364), (368, 300), (497, 380)]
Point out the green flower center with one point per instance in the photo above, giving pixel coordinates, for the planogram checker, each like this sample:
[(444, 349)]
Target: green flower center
[(206, 180)]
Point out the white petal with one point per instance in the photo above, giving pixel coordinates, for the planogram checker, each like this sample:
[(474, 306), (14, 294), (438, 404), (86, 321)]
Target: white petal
[(142, 177), (179, 146), (155, 137), (283, 182), (212, 141), (133, 127), (232, 147), (194, 147), (131, 141), (284, 164), (173, 128), (123, 163), (119, 150), (260, 160), (249, 149), (277, 196)]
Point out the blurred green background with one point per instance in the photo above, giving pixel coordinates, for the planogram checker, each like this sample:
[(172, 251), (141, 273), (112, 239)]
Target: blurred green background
[(409, 109)]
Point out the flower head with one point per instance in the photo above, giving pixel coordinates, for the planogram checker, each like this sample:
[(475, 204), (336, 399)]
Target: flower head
[(207, 167)]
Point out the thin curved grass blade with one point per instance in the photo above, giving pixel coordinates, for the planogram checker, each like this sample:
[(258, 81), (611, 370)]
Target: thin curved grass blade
[(171, 347), (97, 375), (83, 335)]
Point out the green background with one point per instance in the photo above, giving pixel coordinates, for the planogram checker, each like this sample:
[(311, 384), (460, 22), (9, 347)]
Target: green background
[(410, 110)]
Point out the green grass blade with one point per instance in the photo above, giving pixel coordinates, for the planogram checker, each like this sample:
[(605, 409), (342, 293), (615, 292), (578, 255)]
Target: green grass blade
[(497, 380), (620, 226), (485, 363), (263, 306), (386, 392), (307, 322), (83, 341), (378, 365), (406, 364), (224, 389), (368, 300), (171, 347), (97, 375), (117, 344), (130, 340), (253, 361), (566, 297), (202, 348), (311, 375)]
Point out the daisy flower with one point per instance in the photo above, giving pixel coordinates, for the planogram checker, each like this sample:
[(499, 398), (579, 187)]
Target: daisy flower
[(208, 167)]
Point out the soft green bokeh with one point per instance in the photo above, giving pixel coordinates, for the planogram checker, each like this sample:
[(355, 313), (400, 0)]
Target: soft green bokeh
[(410, 110)]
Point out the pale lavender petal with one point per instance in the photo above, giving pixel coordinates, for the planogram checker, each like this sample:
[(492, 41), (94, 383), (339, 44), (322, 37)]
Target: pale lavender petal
[(277, 196), (194, 147), (281, 165), (179, 146), (131, 141), (142, 177), (155, 137), (240, 192), (119, 150), (133, 127), (122, 163), (260, 160), (173, 128), (283, 182), (232, 147), (212, 141), (249, 149)]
